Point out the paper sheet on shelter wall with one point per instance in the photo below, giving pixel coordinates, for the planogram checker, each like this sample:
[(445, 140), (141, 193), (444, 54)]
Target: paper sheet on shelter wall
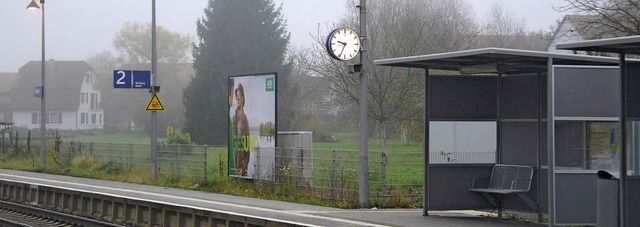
[(602, 149)]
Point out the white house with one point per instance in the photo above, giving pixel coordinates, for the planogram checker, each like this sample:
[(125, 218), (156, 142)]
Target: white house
[(72, 102), (575, 28)]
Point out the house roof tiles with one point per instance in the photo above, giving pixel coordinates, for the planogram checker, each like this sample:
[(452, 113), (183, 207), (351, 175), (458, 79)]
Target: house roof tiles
[(63, 80)]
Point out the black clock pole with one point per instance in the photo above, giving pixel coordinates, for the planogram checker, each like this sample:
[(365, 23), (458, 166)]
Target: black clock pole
[(364, 116)]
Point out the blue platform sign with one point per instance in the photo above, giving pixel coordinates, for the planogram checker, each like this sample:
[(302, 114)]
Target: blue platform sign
[(131, 79), (141, 79), (38, 91), (121, 78)]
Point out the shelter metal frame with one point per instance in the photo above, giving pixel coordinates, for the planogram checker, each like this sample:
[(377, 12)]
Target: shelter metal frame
[(499, 62), (621, 46)]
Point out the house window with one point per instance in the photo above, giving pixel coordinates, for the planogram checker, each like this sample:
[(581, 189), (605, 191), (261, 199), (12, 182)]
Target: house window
[(51, 118), (93, 119), (89, 78), (35, 118), (85, 97), (83, 118), (100, 119), (94, 101), (54, 118)]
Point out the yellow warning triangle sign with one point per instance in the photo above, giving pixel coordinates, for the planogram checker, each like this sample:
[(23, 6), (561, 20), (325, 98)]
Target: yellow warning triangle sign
[(155, 104)]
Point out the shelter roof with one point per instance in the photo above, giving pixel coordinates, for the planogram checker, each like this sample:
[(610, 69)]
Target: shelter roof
[(626, 45), (494, 60)]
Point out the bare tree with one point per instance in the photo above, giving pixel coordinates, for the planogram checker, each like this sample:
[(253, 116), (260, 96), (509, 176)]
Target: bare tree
[(396, 28), (501, 28), (605, 18)]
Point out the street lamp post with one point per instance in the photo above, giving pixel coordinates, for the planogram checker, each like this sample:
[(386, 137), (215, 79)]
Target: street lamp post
[(153, 163), (43, 103)]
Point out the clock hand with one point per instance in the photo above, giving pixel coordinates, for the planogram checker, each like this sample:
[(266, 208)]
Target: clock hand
[(343, 43), (343, 46)]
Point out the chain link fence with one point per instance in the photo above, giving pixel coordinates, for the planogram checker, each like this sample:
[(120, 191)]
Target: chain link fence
[(394, 177)]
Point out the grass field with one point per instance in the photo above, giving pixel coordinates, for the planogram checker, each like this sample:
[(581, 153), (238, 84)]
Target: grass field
[(134, 138)]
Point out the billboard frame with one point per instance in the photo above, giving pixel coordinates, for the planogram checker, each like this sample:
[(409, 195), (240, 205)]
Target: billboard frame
[(231, 172)]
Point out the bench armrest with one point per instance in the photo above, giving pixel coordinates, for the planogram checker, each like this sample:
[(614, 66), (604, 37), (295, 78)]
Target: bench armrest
[(480, 182)]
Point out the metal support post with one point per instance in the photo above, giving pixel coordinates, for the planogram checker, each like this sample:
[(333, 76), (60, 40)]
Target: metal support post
[(153, 162), (364, 116), (43, 101)]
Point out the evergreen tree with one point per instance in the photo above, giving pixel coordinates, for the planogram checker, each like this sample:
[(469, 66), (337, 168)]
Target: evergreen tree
[(234, 38)]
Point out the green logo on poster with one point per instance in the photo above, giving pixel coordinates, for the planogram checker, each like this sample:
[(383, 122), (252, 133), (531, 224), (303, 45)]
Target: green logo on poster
[(269, 84)]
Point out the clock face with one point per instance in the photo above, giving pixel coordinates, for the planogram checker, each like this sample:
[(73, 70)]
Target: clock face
[(343, 44)]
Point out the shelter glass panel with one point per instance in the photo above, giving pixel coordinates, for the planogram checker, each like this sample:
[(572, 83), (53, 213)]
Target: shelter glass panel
[(633, 154), (462, 142), (521, 143), (586, 91), (633, 93), (463, 98), (522, 96), (588, 145)]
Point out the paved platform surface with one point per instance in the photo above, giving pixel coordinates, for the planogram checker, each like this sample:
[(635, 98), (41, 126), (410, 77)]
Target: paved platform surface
[(291, 212)]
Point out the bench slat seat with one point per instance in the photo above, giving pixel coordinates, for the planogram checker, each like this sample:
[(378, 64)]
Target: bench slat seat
[(499, 191), (505, 179)]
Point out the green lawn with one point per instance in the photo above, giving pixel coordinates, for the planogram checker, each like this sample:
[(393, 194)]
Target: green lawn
[(335, 165), (134, 138)]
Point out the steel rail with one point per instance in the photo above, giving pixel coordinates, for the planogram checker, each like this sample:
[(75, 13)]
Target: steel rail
[(14, 214)]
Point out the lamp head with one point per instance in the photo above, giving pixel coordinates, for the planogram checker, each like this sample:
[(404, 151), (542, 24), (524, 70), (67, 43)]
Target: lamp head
[(33, 5)]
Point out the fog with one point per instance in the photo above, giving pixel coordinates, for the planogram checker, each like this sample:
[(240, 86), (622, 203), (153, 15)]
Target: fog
[(77, 29)]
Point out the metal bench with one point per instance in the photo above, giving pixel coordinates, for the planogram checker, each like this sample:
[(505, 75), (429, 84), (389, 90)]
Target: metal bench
[(505, 179)]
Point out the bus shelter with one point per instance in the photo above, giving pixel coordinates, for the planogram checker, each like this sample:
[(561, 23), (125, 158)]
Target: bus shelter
[(557, 113), (628, 172)]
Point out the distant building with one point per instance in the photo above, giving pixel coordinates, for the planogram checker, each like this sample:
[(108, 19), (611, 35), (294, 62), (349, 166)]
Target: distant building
[(72, 102), (6, 80), (523, 42), (574, 28)]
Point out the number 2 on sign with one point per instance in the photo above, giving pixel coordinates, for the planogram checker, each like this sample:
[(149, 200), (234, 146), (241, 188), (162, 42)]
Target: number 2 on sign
[(122, 76)]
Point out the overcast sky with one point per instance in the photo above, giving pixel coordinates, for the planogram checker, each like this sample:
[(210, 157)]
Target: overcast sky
[(77, 29)]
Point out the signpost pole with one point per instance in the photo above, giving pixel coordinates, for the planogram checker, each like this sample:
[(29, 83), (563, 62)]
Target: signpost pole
[(153, 162)]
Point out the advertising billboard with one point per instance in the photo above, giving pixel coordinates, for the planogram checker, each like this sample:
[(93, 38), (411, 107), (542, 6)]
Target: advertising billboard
[(252, 125)]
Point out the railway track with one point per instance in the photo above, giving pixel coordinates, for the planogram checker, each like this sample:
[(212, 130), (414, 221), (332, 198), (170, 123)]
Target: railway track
[(13, 214)]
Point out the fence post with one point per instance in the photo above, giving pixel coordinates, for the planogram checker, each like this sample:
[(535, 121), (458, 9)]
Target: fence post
[(205, 163), (71, 148), (334, 176), (130, 156), (110, 147), (178, 163), (301, 177), (120, 153), (256, 165), (93, 153), (15, 149), (383, 170), (4, 143), (28, 142)]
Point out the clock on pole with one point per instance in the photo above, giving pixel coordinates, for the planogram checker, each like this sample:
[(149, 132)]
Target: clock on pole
[(343, 44)]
